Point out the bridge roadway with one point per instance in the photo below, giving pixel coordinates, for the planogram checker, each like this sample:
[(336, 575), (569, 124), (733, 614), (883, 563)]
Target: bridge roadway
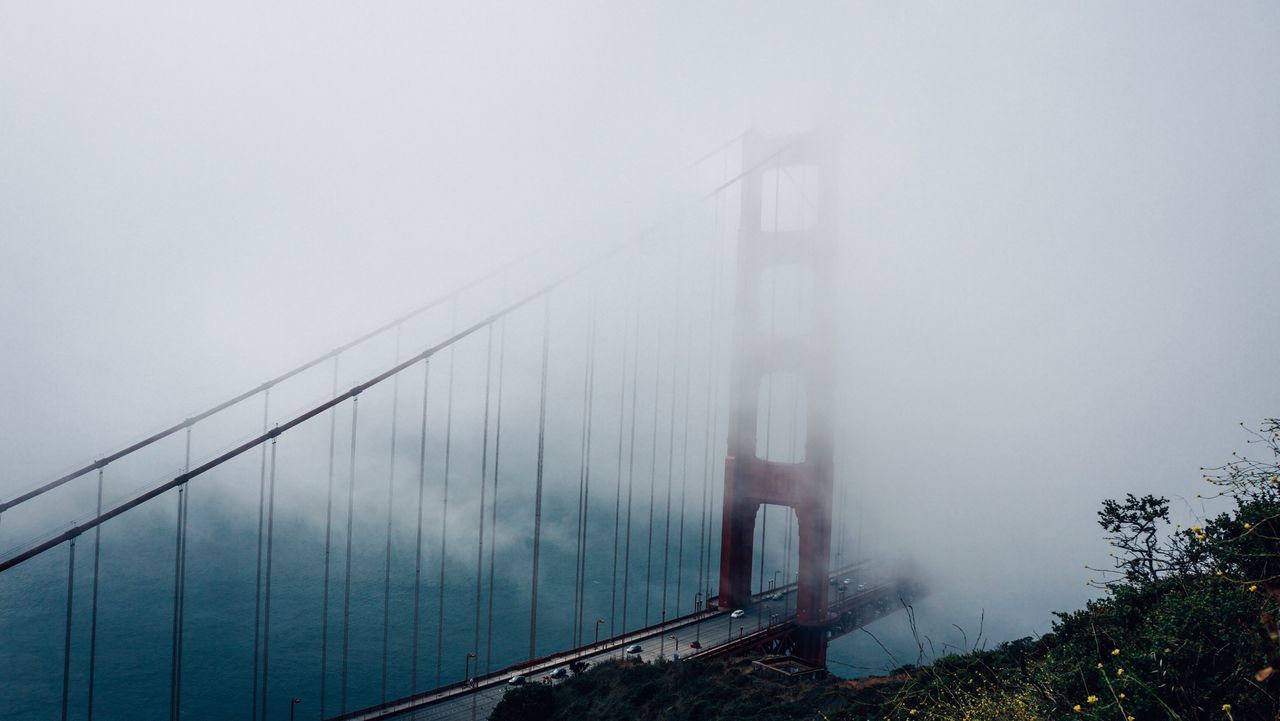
[(716, 631)]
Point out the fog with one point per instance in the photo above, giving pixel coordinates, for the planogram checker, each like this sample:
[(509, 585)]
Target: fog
[(1058, 227)]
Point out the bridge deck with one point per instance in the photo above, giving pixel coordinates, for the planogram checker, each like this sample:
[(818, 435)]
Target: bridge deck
[(716, 631)]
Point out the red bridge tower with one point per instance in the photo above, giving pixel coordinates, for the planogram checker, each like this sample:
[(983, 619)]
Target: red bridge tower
[(804, 255)]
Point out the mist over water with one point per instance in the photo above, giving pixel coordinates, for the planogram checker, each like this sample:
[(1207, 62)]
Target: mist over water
[(1058, 240)]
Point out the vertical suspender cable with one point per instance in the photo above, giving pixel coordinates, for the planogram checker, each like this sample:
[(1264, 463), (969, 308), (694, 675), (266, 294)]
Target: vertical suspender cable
[(671, 455), (684, 469), (653, 471), (182, 583), (346, 574), (617, 501), (179, 558), (173, 651), (484, 487), (391, 494), (66, 643), (537, 503), (493, 508), (631, 466), (444, 506), (328, 538), (417, 560), (257, 588), (266, 614), (93, 612), (585, 482)]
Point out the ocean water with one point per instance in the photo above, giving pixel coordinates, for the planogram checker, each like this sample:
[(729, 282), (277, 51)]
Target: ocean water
[(134, 647)]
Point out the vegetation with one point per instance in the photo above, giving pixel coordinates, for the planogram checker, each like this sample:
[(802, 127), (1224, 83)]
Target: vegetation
[(1186, 631)]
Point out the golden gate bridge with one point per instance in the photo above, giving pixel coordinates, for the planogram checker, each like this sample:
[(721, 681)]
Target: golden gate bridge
[(542, 467)]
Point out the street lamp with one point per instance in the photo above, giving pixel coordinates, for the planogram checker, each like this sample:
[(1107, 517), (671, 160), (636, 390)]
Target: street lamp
[(292, 703), (598, 622), (673, 638), (775, 578), (466, 669)]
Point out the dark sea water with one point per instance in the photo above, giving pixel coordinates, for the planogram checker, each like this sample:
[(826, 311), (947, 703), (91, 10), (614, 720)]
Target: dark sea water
[(134, 647)]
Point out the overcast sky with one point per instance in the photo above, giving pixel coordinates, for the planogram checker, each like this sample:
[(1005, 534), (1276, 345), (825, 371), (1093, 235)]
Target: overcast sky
[(1060, 226)]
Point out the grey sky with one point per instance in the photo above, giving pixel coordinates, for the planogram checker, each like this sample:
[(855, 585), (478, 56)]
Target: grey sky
[(1061, 221)]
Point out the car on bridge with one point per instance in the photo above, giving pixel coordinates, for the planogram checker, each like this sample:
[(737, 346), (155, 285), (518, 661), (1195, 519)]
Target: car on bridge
[(738, 614), (517, 681), (561, 672), (634, 648)]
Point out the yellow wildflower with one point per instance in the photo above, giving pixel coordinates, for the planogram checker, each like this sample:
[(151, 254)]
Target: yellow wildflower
[(1115, 652), (1122, 695), (914, 712), (1247, 526), (1252, 589), (1099, 664), (1226, 707), (1076, 708), (1119, 672), (1092, 699), (1218, 573)]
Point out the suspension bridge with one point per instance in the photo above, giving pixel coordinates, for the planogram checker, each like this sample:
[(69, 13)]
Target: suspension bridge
[(556, 463)]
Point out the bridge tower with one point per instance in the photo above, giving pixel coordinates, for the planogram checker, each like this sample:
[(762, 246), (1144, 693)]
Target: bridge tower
[(804, 255)]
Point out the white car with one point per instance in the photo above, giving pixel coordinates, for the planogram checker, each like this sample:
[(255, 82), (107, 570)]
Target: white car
[(517, 681), (738, 614), (561, 672), (634, 648)]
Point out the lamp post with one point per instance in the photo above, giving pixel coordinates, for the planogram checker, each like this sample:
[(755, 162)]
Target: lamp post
[(293, 702), (673, 638), (775, 578), (598, 622), (466, 669), (697, 608)]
